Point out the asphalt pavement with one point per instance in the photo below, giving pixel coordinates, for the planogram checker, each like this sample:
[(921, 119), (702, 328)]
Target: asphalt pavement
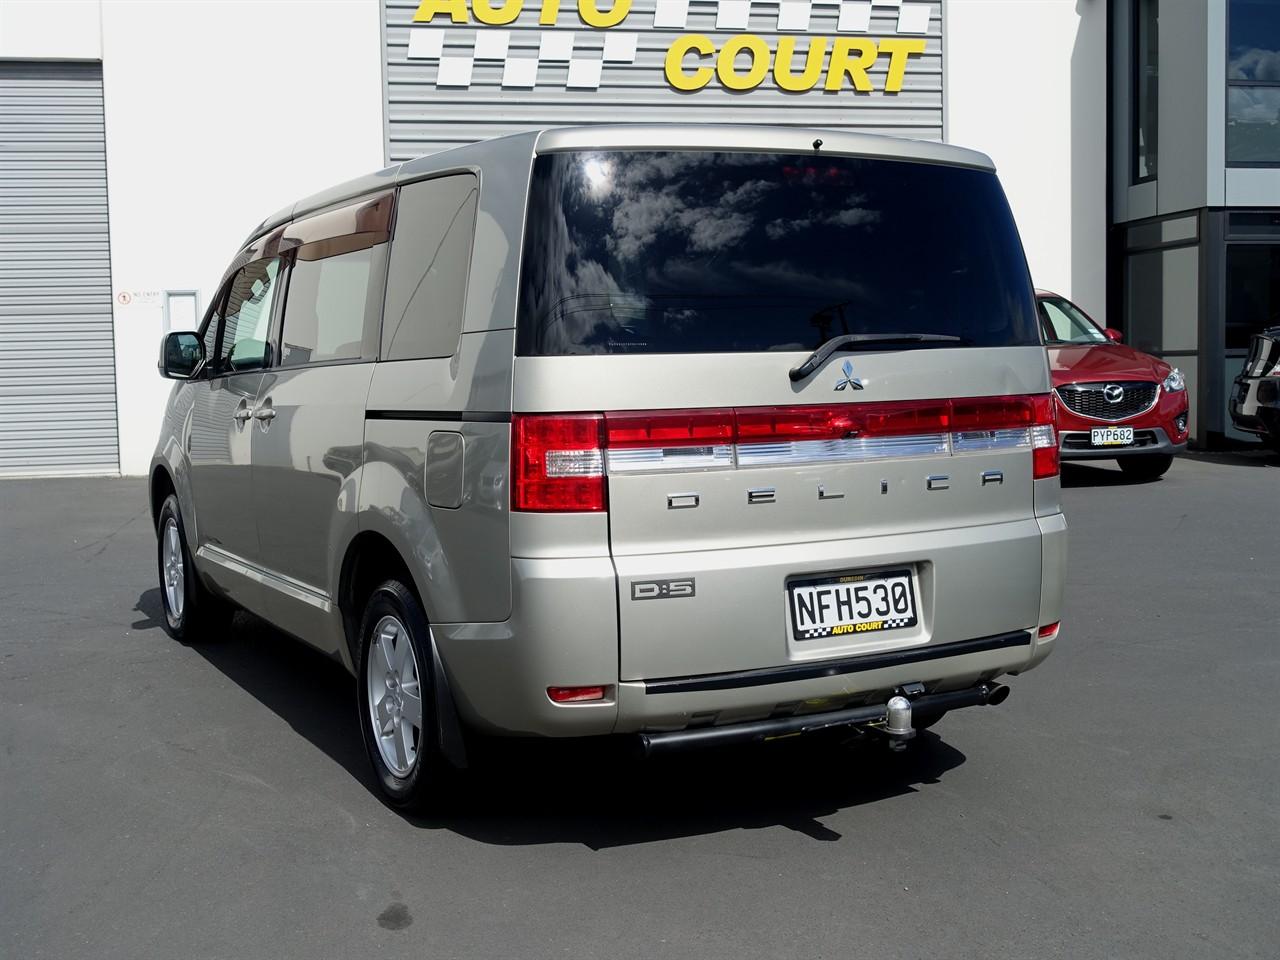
[(161, 800)]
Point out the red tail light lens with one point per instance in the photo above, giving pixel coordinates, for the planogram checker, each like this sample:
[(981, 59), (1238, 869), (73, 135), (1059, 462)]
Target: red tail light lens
[(558, 460), (557, 463), (669, 428), (1044, 437), (795, 423)]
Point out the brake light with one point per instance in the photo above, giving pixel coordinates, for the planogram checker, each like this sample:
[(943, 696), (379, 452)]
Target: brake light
[(1044, 437), (557, 463)]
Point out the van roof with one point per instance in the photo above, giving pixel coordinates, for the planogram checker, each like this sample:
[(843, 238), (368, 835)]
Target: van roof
[(644, 136)]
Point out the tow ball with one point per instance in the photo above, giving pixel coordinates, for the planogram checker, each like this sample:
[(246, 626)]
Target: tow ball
[(897, 719)]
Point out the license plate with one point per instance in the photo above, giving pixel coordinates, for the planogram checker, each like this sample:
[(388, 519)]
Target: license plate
[(1111, 436), (851, 604)]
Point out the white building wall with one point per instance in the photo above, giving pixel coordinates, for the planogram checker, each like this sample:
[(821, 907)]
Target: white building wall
[(1026, 83), (218, 114), (50, 30)]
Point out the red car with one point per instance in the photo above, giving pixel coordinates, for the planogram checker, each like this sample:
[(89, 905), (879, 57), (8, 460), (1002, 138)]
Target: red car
[(1114, 402)]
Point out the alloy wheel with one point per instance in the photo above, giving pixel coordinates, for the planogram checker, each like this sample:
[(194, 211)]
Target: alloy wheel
[(395, 696)]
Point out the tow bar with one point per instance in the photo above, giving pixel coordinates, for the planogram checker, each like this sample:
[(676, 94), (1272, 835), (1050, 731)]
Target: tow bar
[(894, 719)]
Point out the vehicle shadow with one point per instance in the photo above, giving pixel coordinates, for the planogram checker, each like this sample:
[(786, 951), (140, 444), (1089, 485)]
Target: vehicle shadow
[(1092, 475), (1254, 455), (596, 792)]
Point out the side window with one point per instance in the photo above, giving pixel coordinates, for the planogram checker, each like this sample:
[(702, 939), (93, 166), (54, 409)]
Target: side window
[(326, 308), (247, 320), (210, 333), (427, 278), (1057, 324)]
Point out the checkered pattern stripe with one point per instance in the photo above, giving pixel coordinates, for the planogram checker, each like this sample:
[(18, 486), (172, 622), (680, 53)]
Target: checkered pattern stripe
[(817, 633), (554, 47), (457, 50), (793, 15)]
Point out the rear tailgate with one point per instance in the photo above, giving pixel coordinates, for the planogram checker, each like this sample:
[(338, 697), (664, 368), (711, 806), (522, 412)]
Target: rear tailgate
[(708, 538), (883, 500)]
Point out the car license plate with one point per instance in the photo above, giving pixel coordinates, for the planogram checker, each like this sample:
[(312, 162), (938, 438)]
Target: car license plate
[(1111, 436), (851, 604)]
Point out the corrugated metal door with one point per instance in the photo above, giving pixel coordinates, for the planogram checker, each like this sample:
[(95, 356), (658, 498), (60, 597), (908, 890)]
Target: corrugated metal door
[(450, 82), (57, 363)]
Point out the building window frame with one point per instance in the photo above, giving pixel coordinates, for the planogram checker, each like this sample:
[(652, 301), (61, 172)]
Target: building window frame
[(1144, 87), (1232, 84)]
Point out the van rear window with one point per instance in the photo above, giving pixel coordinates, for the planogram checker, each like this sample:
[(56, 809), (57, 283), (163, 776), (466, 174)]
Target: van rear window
[(706, 252)]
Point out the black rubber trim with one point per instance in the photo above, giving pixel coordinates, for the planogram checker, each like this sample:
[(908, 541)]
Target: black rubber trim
[(835, 668), (453, 416)]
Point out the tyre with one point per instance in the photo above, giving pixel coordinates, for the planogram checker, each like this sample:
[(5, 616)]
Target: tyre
[(1146, 466), (191, 612), (396, 700)]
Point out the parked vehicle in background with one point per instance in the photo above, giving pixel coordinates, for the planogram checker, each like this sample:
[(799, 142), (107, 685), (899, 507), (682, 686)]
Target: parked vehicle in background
[(1255, 398), (1114, 402), (680, 432)]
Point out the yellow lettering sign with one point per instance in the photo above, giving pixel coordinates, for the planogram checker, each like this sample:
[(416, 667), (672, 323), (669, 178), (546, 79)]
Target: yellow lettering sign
[(782, 74), (550, 11), (726, 63), (841, 63), (694, 79), (898, 50), (592, 16), (496, 16), (456, 9)]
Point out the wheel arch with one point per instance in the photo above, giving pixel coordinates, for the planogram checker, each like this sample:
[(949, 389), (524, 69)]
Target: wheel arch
[(160, 487)]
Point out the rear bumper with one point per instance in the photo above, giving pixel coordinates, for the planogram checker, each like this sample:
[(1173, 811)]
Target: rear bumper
[(1074, 445), (721, 701), (564, 632)]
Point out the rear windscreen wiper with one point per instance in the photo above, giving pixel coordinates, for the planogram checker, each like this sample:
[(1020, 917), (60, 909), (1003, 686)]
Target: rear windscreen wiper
[(854, 341)]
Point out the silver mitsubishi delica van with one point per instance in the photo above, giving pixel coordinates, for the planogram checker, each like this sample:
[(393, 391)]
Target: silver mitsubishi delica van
[(696, 434)]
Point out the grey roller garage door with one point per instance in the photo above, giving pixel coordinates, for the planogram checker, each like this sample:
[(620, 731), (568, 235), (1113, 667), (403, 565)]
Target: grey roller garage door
[(820, 63), (57, 368)]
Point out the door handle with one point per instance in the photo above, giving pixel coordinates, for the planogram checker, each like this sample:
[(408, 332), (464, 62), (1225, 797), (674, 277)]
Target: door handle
[(266, 413), (242, 415)]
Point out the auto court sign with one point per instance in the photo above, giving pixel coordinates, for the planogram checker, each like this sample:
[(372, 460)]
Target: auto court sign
[(458, 34)]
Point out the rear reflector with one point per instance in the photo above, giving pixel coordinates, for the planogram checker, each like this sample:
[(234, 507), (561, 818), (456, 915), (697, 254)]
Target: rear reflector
[(1049, 630), (559, 461), (575, 694)]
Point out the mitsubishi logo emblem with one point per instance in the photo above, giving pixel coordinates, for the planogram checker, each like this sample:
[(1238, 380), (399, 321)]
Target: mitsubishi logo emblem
[(1113, 393), (848, 380)]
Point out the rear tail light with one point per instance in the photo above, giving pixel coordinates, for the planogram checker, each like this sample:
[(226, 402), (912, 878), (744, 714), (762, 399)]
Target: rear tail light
[(1044, 437), (559, 461), (575, 694), (1049, 631), (671, 439)]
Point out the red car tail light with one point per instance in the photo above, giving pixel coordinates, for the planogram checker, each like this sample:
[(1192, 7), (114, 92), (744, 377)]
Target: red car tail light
[(557, 463), (1044, 437), (668, 428)]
